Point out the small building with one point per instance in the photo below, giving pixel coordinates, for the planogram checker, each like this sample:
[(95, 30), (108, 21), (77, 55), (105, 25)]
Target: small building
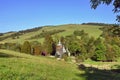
[(60, 50)]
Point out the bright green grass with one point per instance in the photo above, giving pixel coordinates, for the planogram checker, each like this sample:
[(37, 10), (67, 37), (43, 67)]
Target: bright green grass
[(19, 66), (69, 29)]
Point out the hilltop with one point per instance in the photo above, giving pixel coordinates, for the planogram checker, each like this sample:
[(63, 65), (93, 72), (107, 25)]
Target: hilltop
[(61, 30)]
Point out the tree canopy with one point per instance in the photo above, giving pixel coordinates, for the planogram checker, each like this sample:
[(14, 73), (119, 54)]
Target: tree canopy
[(116, 4)]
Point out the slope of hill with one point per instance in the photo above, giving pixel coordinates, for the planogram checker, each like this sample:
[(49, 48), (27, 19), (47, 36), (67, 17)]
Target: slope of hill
[(18, 66), (92, 30)]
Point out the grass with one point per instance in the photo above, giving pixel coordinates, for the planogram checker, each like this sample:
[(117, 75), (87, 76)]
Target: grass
[(16, 66), (20, 66)]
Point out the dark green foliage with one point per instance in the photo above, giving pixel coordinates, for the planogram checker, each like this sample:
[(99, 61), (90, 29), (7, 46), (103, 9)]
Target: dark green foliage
[(116, 31), (1, 34), (47, 44), (110, 53), (11, 46), (90, 47), (36, 48), (17, 47), (79, 33), (97, 24), (26, 47), (97, 41), (0, 46), (30, 30), (73, 45), (116, 51), (16, 35), (44, 33), (116, 41), (111, 37), (112, 31), (83, 47), (100, 52), (83, 52), (62, 39), (85, 38)]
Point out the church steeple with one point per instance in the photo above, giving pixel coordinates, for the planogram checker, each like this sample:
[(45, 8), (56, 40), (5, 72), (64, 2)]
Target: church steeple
[(59, 43)]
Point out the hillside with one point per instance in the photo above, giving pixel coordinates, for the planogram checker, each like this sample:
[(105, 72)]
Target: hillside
[(92, 30), (20, 66)]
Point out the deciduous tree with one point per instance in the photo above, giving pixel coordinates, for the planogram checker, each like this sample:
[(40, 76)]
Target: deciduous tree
[(26, 47)]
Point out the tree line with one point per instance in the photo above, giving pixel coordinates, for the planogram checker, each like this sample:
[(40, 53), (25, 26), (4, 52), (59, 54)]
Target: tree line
[(99, 24)]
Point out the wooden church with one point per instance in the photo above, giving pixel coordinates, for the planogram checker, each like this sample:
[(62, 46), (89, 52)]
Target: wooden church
[(60, 50)]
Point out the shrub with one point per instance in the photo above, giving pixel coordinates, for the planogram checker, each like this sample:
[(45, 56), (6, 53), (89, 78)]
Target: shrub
[(26, 47)]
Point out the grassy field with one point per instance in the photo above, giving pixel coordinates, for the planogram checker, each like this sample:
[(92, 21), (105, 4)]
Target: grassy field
[(16, 66), (20, 66), (69, 29)]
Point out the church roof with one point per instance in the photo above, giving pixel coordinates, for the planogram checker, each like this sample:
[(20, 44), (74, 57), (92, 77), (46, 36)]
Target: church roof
[(59, 44)]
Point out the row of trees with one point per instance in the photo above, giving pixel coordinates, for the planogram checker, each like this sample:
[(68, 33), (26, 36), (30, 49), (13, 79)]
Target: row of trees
[(34, 48), (98, 24), (45, 33), (105, 48)]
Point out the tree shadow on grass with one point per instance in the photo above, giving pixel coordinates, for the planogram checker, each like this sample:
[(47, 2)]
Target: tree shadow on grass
[(92, 73), (4, 55)]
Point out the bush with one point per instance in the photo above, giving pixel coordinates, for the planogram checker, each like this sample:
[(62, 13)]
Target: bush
[(26, 47)]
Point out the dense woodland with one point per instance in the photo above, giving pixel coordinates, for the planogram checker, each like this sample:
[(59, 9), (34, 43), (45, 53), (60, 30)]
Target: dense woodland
[(105, 48)]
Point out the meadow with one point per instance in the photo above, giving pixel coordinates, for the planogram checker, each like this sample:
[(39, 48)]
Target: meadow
[(20, 66)]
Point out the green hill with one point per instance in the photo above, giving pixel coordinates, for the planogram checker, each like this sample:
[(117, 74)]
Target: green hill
[(92, 30), (20, 66)]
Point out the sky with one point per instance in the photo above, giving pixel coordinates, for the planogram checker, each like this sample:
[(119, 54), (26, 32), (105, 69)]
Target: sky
[(18, 15)]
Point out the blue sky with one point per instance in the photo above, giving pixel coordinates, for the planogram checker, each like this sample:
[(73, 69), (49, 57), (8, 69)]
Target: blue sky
[(23, 14)]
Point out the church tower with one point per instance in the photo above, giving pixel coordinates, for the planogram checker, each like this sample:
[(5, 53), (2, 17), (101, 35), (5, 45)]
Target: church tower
[(60, 49)]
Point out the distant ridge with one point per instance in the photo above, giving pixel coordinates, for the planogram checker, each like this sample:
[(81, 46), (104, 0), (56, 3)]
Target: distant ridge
[(99, 24)]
